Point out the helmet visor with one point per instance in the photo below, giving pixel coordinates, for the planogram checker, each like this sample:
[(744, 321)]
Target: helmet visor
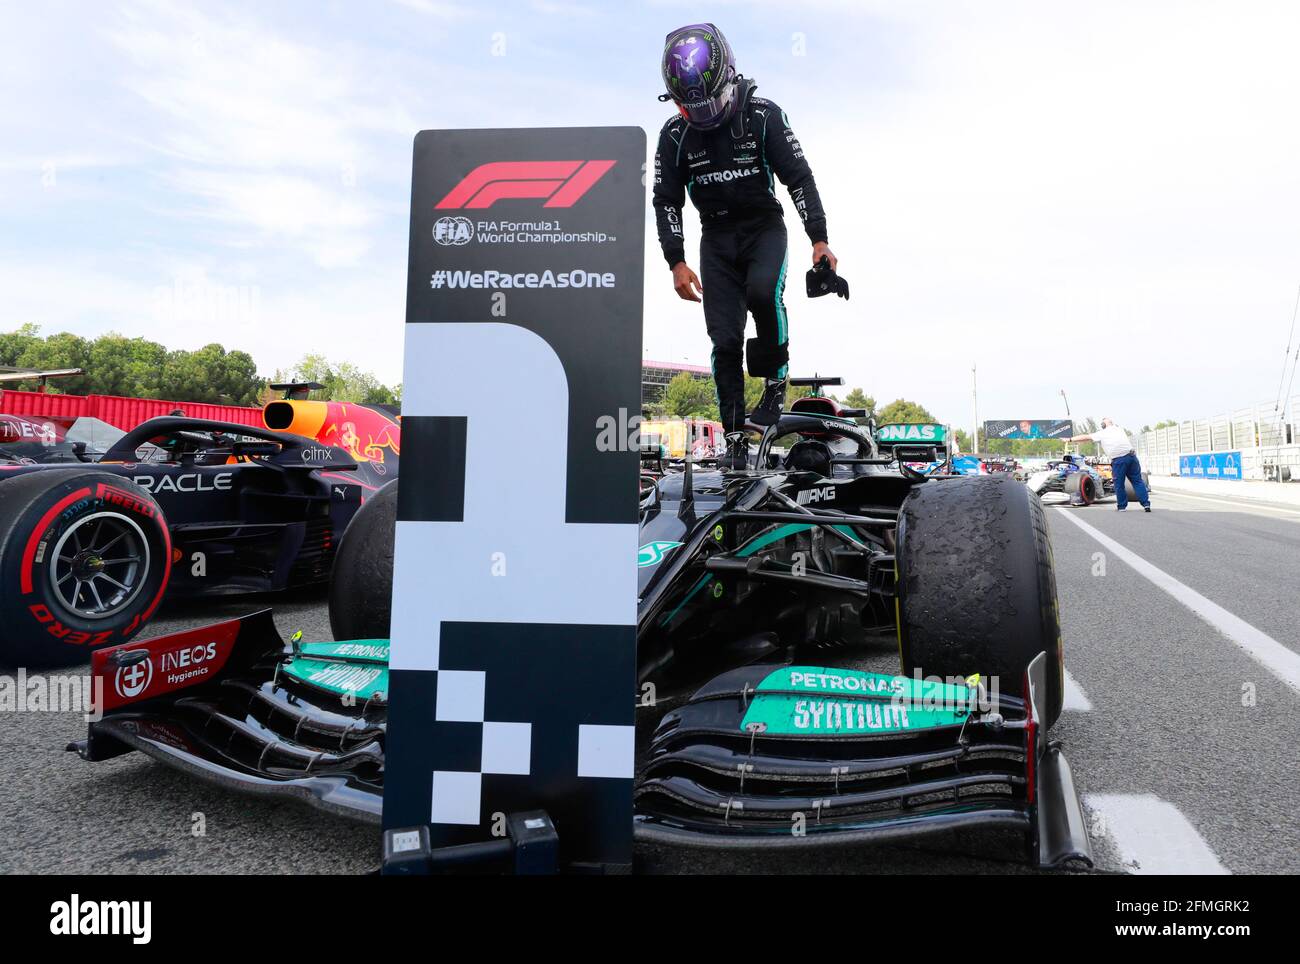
[(708, 112)]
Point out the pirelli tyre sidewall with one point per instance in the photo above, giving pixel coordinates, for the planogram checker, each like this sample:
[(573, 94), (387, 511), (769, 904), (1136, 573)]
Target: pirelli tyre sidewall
[(361, 584), (52, 525), (977, 585), (1083, 485)]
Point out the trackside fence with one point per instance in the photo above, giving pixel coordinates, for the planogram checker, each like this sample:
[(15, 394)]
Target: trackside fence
[(1263, 442)]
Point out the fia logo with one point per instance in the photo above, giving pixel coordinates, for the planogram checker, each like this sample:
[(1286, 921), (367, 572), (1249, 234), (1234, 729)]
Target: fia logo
[(455, 231)]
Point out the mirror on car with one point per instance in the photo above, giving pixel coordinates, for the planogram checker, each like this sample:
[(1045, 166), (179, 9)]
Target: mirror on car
[(255, 449)]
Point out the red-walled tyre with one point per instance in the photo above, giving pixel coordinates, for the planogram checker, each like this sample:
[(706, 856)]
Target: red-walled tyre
[(84, 562), (1083, 485)]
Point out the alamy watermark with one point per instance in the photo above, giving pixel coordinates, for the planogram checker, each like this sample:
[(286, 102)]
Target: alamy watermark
[(36, 693), (201, 302)]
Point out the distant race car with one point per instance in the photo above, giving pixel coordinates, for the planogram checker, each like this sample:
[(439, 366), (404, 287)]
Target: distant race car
[(969, 465), (96, 524), (1077, 478), (1008, 465)]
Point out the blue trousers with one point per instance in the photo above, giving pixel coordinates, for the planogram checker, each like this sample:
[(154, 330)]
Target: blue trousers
[(1128, 466)]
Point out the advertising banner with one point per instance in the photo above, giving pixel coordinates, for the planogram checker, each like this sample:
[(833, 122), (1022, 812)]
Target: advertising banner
[(515, 584), (1028, 428), (1210, 465)]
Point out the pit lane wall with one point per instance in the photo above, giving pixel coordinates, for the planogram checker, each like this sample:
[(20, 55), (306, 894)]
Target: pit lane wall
[(1263, 442)]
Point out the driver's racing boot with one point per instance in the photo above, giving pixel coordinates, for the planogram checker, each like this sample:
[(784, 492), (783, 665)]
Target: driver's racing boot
[(737, 457), (768, 410)]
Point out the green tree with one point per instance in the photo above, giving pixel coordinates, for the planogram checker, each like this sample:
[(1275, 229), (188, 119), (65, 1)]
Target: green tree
[(1022, 446), (857, 398), (25, 348), (344, 382), (212, 374), (117, 365), (901, 410), (14, 344), (136, 367), (224, 377), (689, 397)]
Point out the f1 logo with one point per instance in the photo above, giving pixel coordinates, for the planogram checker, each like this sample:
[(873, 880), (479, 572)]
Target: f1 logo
[(562, 183)]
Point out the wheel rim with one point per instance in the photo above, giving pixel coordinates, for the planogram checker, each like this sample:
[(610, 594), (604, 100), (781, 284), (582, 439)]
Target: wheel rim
[(100, 564)]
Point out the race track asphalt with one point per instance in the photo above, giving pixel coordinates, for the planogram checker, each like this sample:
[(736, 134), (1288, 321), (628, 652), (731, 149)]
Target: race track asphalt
[(1182, 729)]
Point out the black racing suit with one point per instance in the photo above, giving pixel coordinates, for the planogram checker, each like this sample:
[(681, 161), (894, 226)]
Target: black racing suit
[(728, 172)]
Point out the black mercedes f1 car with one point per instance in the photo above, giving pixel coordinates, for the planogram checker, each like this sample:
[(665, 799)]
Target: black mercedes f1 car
[(92, 535), (759, 591)]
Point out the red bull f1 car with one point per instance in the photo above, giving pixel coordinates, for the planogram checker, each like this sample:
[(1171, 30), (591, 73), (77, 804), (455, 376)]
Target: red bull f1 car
[(97, 525), (759, 590)]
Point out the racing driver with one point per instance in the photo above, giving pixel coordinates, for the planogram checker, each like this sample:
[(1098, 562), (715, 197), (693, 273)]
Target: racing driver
[(723, 148)]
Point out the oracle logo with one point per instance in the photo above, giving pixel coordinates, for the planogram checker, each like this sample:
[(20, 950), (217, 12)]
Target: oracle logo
[(560, 183)]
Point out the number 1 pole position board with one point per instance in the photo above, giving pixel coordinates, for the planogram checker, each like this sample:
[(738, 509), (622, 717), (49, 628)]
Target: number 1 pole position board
[(514, 591)]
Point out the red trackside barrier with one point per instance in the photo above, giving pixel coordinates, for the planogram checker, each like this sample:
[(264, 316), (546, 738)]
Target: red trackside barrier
[(123, 413)]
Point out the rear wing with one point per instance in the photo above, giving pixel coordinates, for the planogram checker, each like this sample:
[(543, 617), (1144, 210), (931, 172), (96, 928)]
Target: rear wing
[(296, 390), (915, 441)]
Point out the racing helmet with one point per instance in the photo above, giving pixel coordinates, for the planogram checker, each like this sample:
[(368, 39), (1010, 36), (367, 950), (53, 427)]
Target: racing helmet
[(699, 71), (810, 455)]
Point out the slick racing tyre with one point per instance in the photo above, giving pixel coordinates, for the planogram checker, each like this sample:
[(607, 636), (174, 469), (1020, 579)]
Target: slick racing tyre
[(84, 562), (1132, 492), (361, 585), (1083, 485), (976, 585)]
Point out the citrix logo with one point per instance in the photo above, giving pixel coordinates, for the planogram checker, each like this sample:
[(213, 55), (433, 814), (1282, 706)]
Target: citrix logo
[(561, 183)]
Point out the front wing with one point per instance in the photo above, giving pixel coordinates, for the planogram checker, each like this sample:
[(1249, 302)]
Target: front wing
[(234, 704), (720, 774)]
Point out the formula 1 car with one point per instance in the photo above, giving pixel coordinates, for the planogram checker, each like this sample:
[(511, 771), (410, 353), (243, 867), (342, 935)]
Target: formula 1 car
[(756, 589), (761, 586), (1072, 477), (1080, 479), (93, 534)]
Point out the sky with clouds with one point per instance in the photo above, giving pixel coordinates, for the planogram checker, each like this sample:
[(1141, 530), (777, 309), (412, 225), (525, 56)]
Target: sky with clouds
[(1100, 197)]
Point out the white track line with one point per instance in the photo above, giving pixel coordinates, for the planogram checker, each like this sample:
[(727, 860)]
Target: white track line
[(1075, 698), (1264, 649), (1266, 507), (1151, 835)]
